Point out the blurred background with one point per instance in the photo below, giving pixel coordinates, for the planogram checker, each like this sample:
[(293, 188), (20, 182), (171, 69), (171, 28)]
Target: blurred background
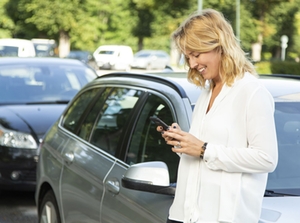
[(268, 30)]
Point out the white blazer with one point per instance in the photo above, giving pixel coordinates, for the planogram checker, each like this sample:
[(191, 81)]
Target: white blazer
[(228, 184)]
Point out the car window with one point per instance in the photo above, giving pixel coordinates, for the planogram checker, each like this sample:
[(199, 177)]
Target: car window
[(9, 51), (143, 55), (90, 119), (146, 143), (25, 83), (113, 117), (75, 111), (109, 52)]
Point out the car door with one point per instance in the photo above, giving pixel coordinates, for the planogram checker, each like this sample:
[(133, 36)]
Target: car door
[(121, 205), (81, 179), (91, 153)]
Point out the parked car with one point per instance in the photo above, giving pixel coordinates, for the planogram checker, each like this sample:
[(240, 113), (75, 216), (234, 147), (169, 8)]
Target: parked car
[(33, 94), (104, 161), (84, 56), (114, 57), (44, 47), (13, 47), (150, 59)]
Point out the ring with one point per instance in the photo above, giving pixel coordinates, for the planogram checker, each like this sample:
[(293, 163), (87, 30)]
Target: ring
[(178, 146)]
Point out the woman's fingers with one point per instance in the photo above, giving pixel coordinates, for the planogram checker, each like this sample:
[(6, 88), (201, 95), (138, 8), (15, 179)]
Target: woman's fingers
[(176, 126)]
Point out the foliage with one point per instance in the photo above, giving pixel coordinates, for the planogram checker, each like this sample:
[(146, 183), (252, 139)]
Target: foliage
[(6, 24), (263, 67), (147, 23), (283, 19), (278, 67), (285, 67)]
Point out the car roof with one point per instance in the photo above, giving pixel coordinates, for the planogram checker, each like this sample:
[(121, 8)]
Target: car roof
[(282, 87), (14, 41), (151, 51), (34, 60), (175, 80)]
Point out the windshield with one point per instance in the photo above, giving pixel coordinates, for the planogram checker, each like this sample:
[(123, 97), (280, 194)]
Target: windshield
[(41, 83), (106, 52), (9, 51), (286, 177), (44, 50)]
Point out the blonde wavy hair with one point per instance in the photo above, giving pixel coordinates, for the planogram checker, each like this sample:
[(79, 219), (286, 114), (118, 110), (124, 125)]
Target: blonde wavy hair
[(208, 30)]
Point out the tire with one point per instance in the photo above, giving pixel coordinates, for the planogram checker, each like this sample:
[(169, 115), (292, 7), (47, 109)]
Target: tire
[(48, 211)]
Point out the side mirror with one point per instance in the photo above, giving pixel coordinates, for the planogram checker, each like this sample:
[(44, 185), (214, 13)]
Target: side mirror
[(150, 177)]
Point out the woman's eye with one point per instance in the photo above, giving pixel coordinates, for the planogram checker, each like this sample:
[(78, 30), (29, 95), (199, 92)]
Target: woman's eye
[(197, 55)]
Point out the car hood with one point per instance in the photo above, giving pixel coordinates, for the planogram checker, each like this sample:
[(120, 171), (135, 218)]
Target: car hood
[(280, 210), (33, 119)]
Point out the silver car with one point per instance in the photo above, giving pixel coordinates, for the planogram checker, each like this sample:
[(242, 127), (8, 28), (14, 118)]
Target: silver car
[(103, 160), (150, 59)]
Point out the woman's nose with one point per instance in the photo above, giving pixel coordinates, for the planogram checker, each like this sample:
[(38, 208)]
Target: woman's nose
[(193, 63)]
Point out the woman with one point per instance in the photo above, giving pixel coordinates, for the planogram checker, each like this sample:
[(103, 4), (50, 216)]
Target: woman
[(231, 145)]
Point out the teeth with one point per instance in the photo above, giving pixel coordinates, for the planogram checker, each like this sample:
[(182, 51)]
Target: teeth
[(202, 69)]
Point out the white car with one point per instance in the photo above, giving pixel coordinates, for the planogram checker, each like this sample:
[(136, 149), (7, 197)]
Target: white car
[(114, 57), (12, 47), (150, 59)]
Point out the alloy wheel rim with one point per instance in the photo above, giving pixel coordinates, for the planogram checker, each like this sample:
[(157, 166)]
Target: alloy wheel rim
[(49, 214)]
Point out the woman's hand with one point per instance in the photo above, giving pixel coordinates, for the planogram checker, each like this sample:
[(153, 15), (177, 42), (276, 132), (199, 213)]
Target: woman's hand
[(182, 142)]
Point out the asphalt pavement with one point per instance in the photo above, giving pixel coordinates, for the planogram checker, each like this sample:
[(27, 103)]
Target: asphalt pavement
[(17, 207)]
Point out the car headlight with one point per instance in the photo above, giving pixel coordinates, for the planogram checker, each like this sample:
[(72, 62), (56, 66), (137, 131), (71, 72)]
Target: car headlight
[(10, 138)]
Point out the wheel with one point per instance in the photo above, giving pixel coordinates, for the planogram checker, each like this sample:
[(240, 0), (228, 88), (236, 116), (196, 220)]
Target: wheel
[(49, 209)]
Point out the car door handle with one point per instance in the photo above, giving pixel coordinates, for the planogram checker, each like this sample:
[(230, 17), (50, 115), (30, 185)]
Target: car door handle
[(113, 186), (69, 158)]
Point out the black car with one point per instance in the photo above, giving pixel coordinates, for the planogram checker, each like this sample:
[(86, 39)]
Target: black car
[(84, 56), (33, 94), (104, 160)]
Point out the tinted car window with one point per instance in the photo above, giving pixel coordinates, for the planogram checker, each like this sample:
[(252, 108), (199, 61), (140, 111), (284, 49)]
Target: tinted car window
[(106, 52), (147, 144), (72, 117), (87, 125), (112, 118)]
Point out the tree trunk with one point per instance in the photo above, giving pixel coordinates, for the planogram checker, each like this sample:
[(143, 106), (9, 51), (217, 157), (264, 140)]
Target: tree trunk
[(140, 43), (64, 43)]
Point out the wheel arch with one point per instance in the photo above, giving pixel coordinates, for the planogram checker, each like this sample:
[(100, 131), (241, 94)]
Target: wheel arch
[(44, 188)]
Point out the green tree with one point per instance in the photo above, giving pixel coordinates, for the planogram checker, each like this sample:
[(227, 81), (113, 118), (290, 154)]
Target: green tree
[(52, 17), (248, 25), (6, 24), (283, 18), (259, 10), (154, 20)]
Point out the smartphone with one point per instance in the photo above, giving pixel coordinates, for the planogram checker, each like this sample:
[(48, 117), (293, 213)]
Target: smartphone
[(159, 122)]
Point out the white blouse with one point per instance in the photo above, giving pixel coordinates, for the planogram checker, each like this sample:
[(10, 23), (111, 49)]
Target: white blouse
[(228, 184)]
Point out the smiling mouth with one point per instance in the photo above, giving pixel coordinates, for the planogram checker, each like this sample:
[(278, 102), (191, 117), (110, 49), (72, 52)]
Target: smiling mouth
[(202, 69)]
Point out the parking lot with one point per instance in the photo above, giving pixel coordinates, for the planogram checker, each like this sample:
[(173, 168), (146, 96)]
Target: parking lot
[(16, 207)]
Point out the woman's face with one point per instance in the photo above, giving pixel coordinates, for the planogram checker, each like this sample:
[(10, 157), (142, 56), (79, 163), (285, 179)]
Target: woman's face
[(206, 63)]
